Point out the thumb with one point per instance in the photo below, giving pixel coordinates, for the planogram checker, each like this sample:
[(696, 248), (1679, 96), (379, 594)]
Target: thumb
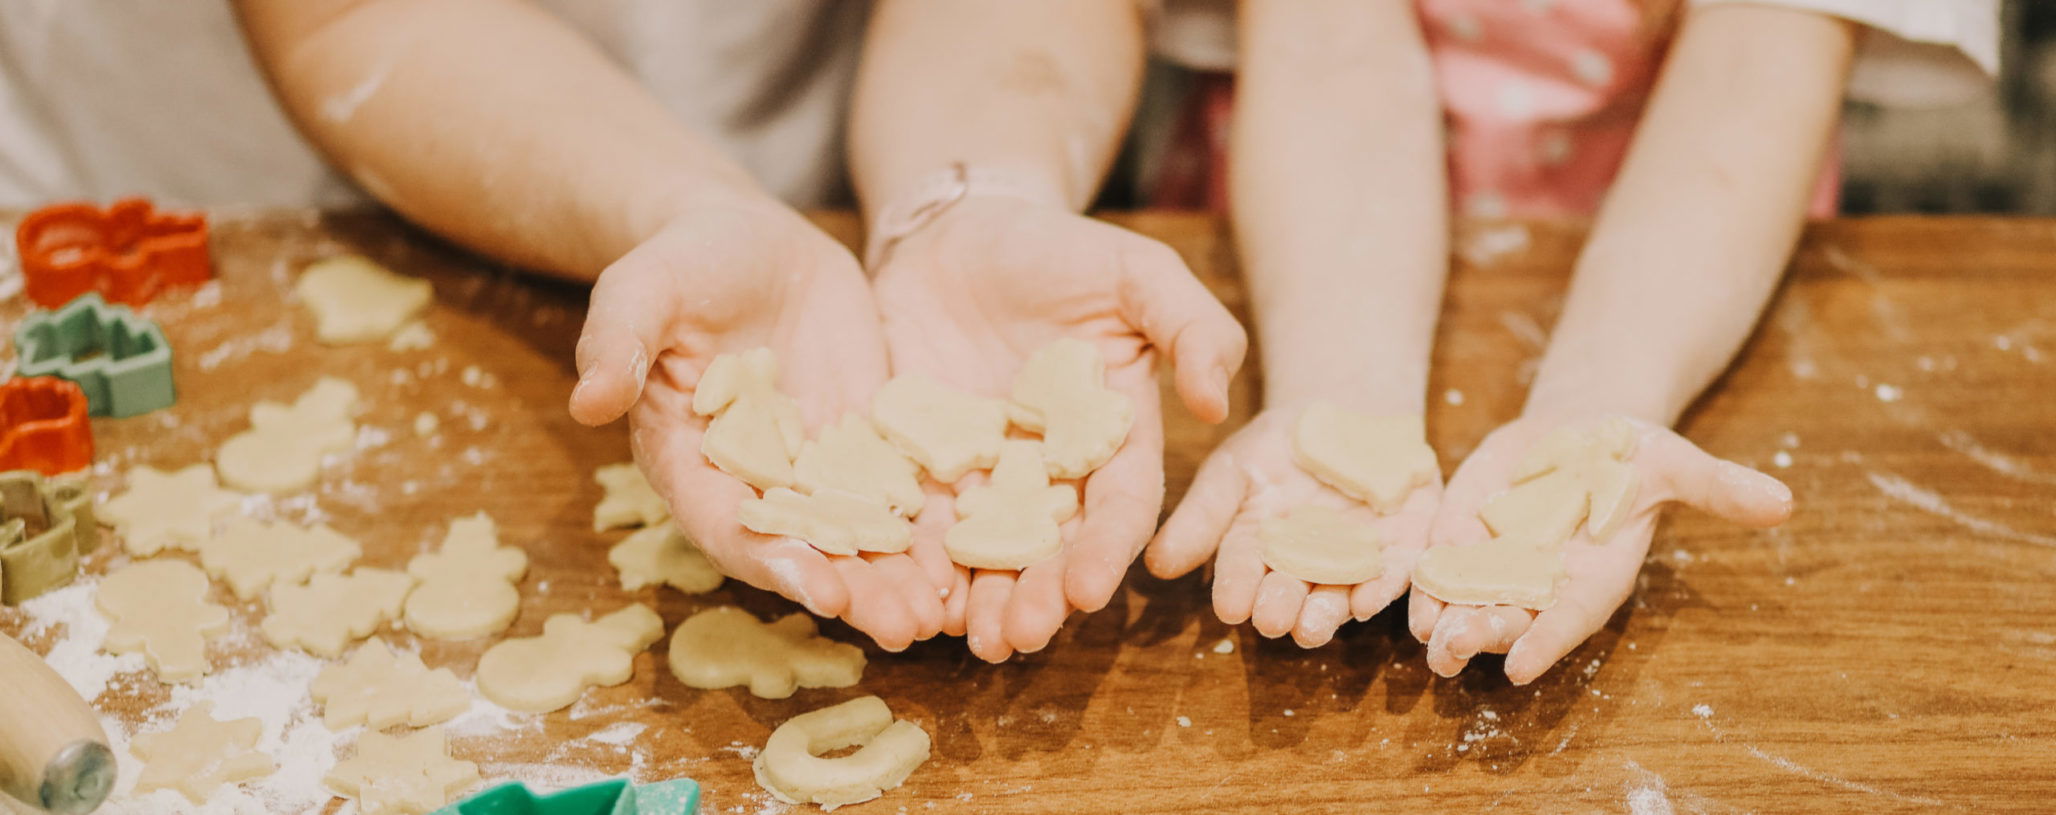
[(1159, 296), (1720, 487), (624, 332)]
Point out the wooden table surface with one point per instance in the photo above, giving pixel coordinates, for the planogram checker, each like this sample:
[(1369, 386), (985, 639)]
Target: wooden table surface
[(1893, 648)]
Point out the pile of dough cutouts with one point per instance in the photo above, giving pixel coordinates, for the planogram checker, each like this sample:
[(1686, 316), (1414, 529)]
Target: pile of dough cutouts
[(856, 486), (317, 598), (1373, 460)]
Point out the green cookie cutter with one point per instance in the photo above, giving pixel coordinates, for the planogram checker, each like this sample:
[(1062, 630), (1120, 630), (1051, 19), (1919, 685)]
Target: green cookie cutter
[(119, 359), (611, 797), (39, 535)]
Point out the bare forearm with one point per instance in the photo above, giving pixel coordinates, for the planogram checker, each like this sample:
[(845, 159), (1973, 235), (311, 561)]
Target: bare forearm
[(1339, 199), (1039, 91), (1700, 224), (488, 122)]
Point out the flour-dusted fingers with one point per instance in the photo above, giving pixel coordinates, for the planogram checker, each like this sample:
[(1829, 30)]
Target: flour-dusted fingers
[(1725, 489), (1121, 504), (1554, 634), (1194, 531), (1238, 571), (956, 605), (1037, 607), (938, 514), (1160, 298), (1368, 598), (914, 590), (624, 332), (985, 629), (1493, 630), (1325, 610), (1422, 612), (1278, 601), (876, 607), (1452, 621)]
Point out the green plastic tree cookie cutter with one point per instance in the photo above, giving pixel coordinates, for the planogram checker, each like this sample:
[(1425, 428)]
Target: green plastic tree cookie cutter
[(118, 358), (611, 797), (39, 548)]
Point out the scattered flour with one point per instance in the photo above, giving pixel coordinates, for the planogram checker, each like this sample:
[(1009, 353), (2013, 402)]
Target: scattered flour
[(69, 615), (619, 733)]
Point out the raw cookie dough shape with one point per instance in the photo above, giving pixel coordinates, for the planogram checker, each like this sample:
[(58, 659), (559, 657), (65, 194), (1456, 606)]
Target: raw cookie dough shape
[(629, 501), (282, 450), (1378, 460), (201, 753), (355, 300), (833, 521), (1587, 475), (725, 647), (168, 510), (1509, 571), (467, 588), (756, 430), (379, 689), (549, 672), (791, 768), (401, 775), (333, 610), (160, 608), (252, 555), (663, 554), (851, 457), (1322, 545), (1011, 521), (1061, 393), (945, 430)]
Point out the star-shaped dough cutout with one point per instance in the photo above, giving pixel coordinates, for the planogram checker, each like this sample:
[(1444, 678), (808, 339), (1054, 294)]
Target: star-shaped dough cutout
[(379, 689), (663, 554), (629, 502), (332, 610), (200, 753), (402, 775), (161, 510), (251, 555)]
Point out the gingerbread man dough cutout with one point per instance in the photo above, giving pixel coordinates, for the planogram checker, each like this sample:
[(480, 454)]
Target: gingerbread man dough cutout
[(629, 502), (251, 555), (402, 775), (168, 510), (791, 768), (356, 300), (467, 588), (200, 753), (945, 430), (756, 430), (1322, 545), (333, 610), (160, 608), (663, 554), (1011, 521), (851, 457), (549, 672), (283, 448), (1061, 393), (1378, 460), (379, 689), (833, 521), (725, 646)]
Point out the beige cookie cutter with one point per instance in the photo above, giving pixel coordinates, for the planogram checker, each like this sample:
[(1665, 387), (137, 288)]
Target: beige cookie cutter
[(45, 526)]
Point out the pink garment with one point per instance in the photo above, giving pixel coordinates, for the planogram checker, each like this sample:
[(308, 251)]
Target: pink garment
[(1541, 99)]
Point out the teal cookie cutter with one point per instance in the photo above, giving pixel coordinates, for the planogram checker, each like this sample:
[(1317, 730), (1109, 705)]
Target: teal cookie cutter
[(119, 359), (39, 535), (612, 797)]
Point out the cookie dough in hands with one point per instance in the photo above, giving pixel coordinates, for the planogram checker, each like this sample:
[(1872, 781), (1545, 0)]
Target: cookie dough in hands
[(849, 456), (1011, 521), (947, 431), (1060, 393), (756, 430), (833, 521)]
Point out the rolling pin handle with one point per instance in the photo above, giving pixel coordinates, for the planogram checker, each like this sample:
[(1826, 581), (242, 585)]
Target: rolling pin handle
[(78, 778)]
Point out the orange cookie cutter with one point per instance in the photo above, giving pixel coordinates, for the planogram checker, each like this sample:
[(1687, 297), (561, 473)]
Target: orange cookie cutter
[(43, 426), (128, 252)]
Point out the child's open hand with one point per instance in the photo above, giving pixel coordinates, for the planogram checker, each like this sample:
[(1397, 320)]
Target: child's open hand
[(970, 296), (1600, 574), (728, 279), (1250, 478)]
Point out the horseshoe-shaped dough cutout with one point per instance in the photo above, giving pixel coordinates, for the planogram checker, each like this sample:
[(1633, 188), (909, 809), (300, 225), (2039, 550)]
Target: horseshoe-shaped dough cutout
[(792, 769)]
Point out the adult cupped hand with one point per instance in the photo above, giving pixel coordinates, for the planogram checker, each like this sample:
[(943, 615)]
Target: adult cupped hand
[(966, 300)]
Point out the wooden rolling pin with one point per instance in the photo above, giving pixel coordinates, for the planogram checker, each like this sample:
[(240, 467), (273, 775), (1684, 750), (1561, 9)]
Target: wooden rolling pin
[(53, 754)]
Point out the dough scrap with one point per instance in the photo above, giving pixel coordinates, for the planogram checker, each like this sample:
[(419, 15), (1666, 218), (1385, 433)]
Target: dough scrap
[(945, 430), (414, 336), (1378, 460), (200, 753), (379, 689), (332, 610), (851, 457), (355, 300), (1061, 393), (832, 521), (663, 554), (160, 608), (283, 448), (756, 430), (1322, 545), (630, 500), (163, 510), (725, 647), (411, 774), (1011, 521), (1509, 571), (251, 555), (549, 672), (1573, 474), (467, 588), (791, 768)]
